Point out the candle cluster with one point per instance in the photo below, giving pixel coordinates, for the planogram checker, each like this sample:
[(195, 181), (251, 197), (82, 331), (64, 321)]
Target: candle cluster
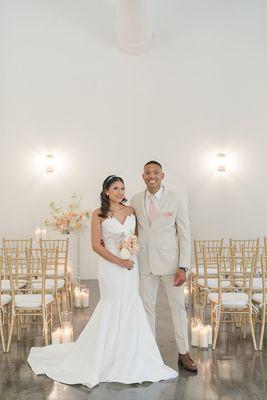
[(81, 298), (40, 234), (64, 335), (201, 335)]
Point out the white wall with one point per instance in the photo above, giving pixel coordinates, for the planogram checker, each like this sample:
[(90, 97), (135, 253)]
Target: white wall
[(66, 88)]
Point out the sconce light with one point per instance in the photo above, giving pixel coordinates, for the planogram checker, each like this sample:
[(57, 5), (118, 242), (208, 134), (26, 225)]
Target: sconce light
[(221, 162), (49, 163)]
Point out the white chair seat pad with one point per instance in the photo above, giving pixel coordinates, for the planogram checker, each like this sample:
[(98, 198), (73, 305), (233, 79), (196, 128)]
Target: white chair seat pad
[(258, 298), (5, 285), (31, 300), (49, 284), (210, 271), (213, 283), (257, 283), (231, 300), (5, 299), (60, 272)]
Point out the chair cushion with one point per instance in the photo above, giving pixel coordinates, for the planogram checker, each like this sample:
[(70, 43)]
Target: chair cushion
[(60, 271), (213, 283), (49, 284), (31, 300), (5, 285), (258, 298), (257, 283), (210, 271), (231, 300), (5, 299)]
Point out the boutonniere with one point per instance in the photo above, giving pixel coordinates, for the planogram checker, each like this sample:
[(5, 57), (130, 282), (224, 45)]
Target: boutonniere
[(167, 214)]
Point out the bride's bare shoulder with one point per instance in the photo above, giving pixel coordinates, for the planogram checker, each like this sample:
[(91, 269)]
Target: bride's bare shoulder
[(97, 213), (130, 210)]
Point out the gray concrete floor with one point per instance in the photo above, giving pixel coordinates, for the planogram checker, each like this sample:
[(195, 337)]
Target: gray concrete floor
[(234, 371)]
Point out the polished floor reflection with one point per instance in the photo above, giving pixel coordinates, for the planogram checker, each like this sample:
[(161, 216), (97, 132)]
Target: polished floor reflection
[(234, 371)]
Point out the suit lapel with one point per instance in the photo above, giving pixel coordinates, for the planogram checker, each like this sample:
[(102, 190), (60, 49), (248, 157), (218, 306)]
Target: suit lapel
[(143, 207), (161, 204)]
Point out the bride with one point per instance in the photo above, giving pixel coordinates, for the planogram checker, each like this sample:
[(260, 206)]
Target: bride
[(117, 344)]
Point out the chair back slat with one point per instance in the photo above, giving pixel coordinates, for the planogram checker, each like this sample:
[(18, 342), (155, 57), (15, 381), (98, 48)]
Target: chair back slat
[(248, 244), (235, 269), (212, 247), (23, 272), (51, 256), (20, 244), (63, 247)]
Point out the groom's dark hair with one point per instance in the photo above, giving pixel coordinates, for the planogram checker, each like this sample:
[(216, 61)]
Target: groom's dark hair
[(153, 162)]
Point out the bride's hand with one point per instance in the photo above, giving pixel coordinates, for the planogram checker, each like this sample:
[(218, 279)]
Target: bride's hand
[(127, 264)]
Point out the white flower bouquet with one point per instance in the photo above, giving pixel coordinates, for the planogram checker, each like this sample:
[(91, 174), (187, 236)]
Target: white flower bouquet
[(130, 246)]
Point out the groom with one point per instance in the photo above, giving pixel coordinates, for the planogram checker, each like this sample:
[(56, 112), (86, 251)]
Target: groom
[(163, 226)]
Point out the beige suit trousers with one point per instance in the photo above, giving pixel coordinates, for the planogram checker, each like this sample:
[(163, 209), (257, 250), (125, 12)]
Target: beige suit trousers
[(149, 285)]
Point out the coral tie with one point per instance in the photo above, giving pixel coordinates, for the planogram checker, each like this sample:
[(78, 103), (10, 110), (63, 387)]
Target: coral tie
[(152, 212)]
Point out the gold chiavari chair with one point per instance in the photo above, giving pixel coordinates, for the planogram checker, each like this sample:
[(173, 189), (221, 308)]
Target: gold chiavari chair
[(244, 244), (5, 282), (248, 253), (16, 248), (209, 282), (236, 302), (265, 245), (29, 304), (20, 244), (63, 247), (5, 307), (213, 246), (260, 300), (54, 284)]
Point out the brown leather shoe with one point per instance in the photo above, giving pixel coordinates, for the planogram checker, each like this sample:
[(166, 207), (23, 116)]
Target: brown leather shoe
[(186, 362)]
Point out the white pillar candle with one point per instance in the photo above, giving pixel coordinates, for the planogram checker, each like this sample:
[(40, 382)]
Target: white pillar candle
[(77, 298), (43, 234), (85, 299), (66, 335), (37, 234), (195, 336), (56, 336), (195, 322), (209, 330), (203, 338), (186, 295)]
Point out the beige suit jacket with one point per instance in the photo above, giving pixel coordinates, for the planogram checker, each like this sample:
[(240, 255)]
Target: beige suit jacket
[(167, 240)]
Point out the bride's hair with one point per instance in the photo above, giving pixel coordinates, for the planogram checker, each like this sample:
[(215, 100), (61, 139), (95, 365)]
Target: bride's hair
[(105, 203)]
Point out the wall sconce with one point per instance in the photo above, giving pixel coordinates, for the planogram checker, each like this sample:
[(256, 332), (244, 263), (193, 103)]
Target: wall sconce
[(221, 162), (49, 163)]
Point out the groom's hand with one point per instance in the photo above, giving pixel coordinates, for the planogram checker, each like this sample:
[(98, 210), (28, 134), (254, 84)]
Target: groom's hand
[(180, 277)]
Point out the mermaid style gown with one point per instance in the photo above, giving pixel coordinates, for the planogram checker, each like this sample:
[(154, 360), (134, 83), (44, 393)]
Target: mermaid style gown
[(117, 344)]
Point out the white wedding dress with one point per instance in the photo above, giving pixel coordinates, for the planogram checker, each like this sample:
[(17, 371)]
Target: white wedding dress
[(117, 344)]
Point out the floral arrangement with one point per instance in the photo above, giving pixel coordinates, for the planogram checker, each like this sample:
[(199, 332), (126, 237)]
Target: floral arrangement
[(68, 220), (129, 247)]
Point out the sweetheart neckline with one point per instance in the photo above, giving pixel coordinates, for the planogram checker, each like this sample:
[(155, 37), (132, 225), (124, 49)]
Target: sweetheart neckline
[(128, 215)]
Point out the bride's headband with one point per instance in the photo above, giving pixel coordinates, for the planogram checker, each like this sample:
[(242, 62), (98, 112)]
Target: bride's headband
[(111, 177)]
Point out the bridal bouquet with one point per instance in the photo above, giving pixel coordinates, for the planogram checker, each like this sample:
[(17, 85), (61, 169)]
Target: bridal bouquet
[(69, 219), (130, 246)]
